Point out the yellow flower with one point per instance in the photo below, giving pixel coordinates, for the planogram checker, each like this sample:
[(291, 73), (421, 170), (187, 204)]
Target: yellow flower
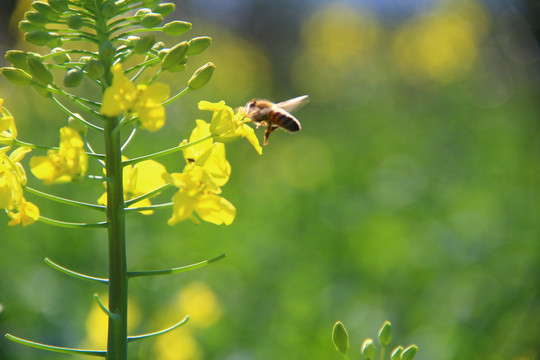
[(12, 180), (8, 131), (207, 154), (144, 101), (67, 163), (227, 126), (140, 179), (198, 193)]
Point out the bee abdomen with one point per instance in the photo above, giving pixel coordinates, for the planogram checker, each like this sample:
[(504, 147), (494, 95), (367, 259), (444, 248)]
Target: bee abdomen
[(286, 121)]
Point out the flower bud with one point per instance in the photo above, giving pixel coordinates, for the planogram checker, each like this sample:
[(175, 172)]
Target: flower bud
[(151, 20), (95, 68), (385, 335), (177, 68), (144, 44), (340, 338), (107, 49), (17, 58), (73, 78), (158, 46), (60, 58), (174, 55), (16, 76), (39, 37), (36, 17), (27, 26), (409, 353), (109, 8), (39, 71), (198, 45), (164, 9), (44, 8), (59, 5), (176, 28), (396, 353), (77, 125), (75, 22), (368, 349), (202, 76), (142, 12), (150, 3)]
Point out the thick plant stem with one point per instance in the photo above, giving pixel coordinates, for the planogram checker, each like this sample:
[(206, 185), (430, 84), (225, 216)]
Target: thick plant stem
[(118, 278)]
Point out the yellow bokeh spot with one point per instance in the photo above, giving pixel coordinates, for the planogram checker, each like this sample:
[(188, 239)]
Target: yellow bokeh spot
[(177, 345), (200, 302)]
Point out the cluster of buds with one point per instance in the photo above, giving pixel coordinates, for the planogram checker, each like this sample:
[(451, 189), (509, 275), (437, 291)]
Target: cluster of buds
[(340, 338)]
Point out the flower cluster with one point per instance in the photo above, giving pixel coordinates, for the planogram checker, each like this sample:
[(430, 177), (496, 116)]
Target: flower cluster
[(142, 101)]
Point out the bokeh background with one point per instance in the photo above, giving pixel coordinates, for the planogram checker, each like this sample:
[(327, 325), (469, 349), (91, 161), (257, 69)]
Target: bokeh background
[(412, 193)]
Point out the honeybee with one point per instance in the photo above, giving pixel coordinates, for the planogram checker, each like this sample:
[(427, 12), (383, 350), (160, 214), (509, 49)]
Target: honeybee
[(275, 116)]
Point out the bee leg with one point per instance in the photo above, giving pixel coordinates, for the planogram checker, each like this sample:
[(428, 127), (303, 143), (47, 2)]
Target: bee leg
[(270, 129)]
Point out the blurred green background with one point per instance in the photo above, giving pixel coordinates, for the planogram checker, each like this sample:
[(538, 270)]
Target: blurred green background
[(411, 195)]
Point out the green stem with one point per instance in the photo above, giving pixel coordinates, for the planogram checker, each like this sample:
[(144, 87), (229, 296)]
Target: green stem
[(176, 270), (64, 200), (152, 207), (166, 102), (147, 195), (46, 148), (71, 225), (74, 273), (58, 349)]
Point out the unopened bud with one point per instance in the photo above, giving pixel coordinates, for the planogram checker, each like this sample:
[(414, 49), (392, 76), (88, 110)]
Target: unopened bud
[(17, 58), (95, 68), (77, 125), (164, 9), (202, 76), (144, 44), (39, 37), (73, 78), (107, 49), (396, 353), (109, 8), (16, 76), (44, 8), (75, 22), (177, 68), (38, 70), (28, 26), (60, 58), (158, 46), (176, 28), (151, 20), (340, 338), (150, 3), (59, 5), (36, 17), (198, 45), (409, 353), (368, 349), (385, 335), (174, 55)]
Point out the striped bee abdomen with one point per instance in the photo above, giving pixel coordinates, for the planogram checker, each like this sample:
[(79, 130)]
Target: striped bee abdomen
[(285, 120)]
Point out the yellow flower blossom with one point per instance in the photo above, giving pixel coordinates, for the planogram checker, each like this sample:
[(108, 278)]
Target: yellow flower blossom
[(8, 131), (207, 154), (198, 193), (67, 163), (226, 126), (12, 180), (143, 101), (140, 179)]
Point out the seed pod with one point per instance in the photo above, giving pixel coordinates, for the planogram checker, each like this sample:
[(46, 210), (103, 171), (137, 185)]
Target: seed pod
[(144, 44), (39, 71), (60, 58), (202, 76), (340, 338), (174, 55), (73, 78), (151, 20), (176, 28), (164, 9), (75, 22), (39, 37), (198, 45), (16, 76)]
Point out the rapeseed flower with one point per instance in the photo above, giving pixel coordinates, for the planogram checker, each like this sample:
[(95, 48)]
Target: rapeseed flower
[(140, 179), (8, 131), (67, 163), (226, 126), (143, 101)]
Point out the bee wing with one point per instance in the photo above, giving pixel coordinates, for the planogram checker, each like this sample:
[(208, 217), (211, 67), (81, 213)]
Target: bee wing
[(293, 104)]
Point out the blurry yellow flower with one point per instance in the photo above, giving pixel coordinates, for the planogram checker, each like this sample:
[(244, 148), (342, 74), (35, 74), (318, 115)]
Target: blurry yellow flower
[(200, 302), (144, 101), (140, 179), (207, 154), (8, 131), (198, 193), (12, 180), (177, 345), (67, 163), (226, 126)]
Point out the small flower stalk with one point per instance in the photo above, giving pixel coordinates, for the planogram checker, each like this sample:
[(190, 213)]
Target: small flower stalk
[(368, 349), (131, 99)]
